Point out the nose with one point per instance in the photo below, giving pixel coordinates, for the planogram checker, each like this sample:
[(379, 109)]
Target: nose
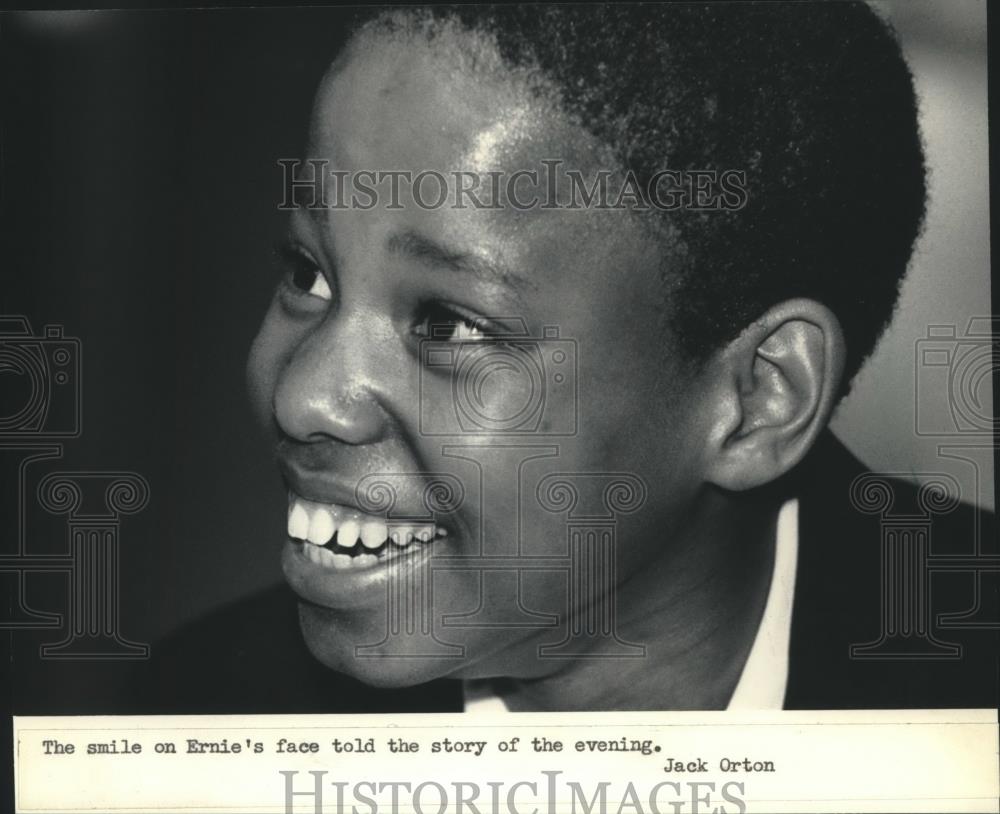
[(327, 389)]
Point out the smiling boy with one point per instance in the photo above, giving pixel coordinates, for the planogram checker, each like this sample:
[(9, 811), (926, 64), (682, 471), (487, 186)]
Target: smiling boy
[(710, 348)]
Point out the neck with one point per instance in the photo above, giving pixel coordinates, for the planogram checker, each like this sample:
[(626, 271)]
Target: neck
[(695, 611)]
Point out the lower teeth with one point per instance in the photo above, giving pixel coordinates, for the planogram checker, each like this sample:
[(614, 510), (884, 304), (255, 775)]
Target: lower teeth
[(333, 555)]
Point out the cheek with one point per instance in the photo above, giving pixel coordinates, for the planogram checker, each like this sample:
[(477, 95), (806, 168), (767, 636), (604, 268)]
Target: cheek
[(647, 420)]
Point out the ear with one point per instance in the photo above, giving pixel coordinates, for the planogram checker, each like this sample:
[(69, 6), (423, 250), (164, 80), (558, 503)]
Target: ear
[(776, 387)]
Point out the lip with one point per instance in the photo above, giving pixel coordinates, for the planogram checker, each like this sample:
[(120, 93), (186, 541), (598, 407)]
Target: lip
[(317, 488), (350, 588), (324, 488)]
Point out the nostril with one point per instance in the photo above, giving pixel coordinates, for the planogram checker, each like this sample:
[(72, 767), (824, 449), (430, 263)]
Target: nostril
[(351, 419)]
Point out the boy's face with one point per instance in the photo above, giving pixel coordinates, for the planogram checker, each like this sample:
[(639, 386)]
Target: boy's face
[(340, 371)]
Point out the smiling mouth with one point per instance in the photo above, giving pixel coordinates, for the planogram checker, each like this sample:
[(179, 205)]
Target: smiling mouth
[(341, 537)]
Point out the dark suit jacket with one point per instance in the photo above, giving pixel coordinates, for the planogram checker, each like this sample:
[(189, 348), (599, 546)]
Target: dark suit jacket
[(850, 591)]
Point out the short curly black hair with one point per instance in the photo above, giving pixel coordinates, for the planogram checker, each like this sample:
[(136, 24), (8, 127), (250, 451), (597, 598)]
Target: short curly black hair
[(813, 100)]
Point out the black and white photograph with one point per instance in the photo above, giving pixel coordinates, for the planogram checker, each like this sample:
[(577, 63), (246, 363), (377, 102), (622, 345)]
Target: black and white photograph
[(610, 360)]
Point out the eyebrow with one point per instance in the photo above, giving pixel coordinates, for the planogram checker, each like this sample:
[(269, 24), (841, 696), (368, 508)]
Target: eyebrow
[(439, 255)]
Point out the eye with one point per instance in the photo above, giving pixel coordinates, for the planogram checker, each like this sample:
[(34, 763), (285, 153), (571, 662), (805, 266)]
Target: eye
[(447, 324), (302, 274)]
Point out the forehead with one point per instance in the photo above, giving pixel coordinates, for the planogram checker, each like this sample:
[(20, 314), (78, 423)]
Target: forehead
[(406, 102), (412, 105)]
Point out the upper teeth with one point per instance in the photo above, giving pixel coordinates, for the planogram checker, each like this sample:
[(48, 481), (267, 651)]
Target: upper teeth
[(317, 523)]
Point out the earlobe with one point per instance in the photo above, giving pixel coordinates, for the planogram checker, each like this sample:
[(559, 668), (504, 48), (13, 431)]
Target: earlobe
[(778, 385)]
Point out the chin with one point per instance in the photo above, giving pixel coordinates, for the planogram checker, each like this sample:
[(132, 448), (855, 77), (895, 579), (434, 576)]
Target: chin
[(333, 644)]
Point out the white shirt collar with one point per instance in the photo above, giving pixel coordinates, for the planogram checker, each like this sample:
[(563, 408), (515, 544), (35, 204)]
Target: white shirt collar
[(765, 674)]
